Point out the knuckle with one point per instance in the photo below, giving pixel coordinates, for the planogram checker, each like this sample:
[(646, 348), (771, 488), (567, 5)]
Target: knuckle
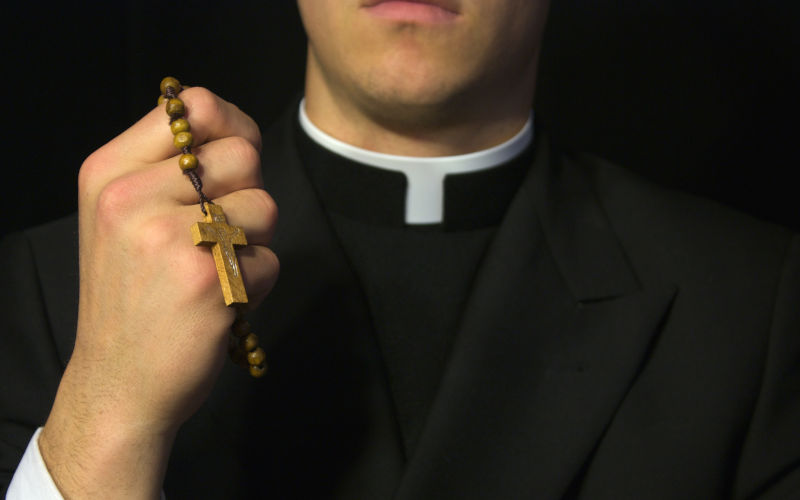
[(203, 106), (266, 205), (254, 133), (207, 111), (274, 263), (244, 154), (88, 174), (156, 236), (114, 201), (270, 270)]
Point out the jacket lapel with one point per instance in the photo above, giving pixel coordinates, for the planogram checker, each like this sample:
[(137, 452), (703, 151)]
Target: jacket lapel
[(555, 331)]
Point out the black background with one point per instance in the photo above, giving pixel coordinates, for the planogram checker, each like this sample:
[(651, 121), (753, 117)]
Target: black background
[(699, 95)]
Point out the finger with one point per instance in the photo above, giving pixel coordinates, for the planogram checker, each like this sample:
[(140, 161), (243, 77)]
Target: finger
[(260, 269), (259, 266), (255, 211), (251, 209), (150, 140), (226, 165)]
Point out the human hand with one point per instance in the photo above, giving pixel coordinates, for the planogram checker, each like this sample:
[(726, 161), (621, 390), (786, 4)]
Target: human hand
[(152, 323)]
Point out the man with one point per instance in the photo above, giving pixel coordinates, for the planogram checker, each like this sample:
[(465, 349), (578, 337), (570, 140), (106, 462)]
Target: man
[(463, 311)]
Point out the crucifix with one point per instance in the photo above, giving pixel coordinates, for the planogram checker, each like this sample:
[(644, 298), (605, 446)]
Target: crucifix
[(222, 238)]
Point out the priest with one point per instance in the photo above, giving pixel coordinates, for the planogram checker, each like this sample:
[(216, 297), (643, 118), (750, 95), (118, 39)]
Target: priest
[(464, 309)]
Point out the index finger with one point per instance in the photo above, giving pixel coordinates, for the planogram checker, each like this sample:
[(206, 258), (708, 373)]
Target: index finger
[(150, 140)]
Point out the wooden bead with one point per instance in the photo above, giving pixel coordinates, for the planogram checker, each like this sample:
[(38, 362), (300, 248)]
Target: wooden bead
[(249, 343), (175, 107), (258, 370), (256, 357), (170, 82), (182, 139), (187, 162), (240, 328), (162, 99), (179, 125)]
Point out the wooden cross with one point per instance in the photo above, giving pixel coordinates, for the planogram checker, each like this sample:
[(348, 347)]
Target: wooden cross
[(222, 238)]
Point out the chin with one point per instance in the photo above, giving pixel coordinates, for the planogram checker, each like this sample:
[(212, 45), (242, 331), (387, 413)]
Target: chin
[(404, 108), (415, 89)]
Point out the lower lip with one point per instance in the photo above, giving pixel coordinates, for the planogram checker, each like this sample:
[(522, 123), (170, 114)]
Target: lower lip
[(415, 12)]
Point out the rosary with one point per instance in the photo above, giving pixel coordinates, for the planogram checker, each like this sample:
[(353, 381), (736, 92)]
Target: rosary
[(215, 232)]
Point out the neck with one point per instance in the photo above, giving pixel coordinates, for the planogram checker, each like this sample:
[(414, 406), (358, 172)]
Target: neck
[(451, 131)]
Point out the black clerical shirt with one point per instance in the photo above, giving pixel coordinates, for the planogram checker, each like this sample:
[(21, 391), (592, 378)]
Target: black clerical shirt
[(416, 278)]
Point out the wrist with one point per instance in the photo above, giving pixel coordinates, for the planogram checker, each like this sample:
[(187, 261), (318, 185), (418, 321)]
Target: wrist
[(105, 464), (100, 455)]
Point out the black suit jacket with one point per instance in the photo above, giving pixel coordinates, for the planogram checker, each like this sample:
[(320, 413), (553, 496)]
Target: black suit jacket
[(621, 341)]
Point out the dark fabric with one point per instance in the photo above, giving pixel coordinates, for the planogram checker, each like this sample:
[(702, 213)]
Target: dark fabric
[(416, 278), (619, 341), (416, 282)]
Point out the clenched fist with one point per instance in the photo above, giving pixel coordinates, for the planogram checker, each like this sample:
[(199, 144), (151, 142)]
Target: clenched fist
[(152, 323)]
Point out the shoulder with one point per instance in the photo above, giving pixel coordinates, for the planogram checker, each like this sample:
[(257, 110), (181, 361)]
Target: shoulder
[(729, 268), (42, 271), (672, 229), (729, 340)]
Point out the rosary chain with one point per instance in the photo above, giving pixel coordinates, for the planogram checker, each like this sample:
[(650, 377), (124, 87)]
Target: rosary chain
[(171, 92), (243, 345)]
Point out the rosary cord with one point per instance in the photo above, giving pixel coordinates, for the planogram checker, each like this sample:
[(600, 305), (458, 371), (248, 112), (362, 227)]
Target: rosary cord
[(198, 186), (172, 93)]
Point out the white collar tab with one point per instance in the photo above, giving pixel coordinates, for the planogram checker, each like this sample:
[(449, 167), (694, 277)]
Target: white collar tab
[(425, 175)]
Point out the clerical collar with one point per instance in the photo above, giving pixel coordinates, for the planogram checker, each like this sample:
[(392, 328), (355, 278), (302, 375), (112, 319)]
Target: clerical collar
[(426, 177)]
